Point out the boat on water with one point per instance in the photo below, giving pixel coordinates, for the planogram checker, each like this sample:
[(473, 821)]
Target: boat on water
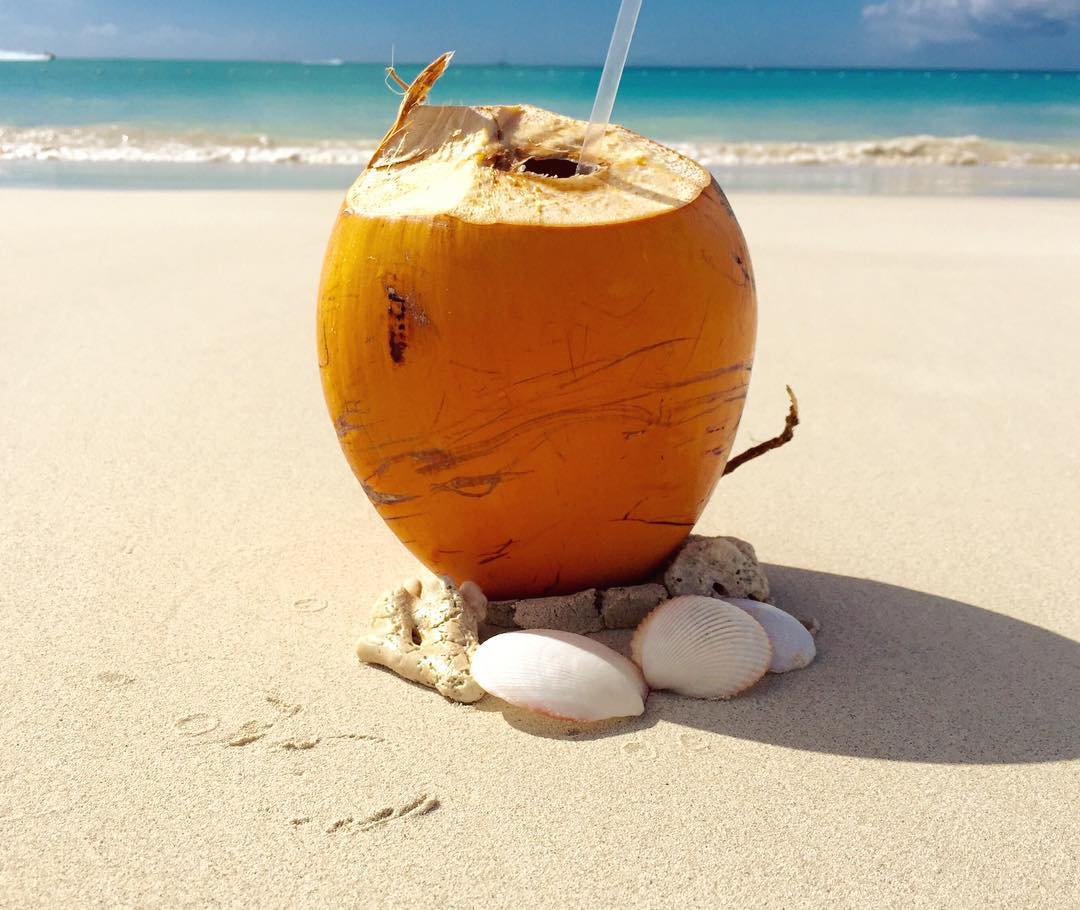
[(25, 57)]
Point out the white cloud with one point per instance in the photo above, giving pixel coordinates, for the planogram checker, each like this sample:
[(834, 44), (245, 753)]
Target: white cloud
[(913, 23)]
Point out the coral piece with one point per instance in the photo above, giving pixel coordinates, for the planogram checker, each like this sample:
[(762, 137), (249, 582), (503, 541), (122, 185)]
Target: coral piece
[(711, 566), (624, 608), (428, 633), (501, 613), (717, 567), (568, 612)]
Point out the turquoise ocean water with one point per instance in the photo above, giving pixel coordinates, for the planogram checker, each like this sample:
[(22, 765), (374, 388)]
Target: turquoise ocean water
[(188, 123)]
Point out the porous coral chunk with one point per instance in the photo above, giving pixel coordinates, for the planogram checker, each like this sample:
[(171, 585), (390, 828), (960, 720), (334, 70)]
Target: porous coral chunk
[(717, 567), (428, 633)]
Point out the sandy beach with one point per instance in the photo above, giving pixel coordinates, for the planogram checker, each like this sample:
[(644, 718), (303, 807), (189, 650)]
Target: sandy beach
[(185, 558)]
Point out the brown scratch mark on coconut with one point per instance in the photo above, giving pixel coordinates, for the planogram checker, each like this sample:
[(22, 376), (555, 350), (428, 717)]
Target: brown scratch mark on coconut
[(597, 365), (698, 334), (741, 263), (438, 412), (500, 552), (344, 425), (474, 369), (398, 331), (675, 523), (548, 589), (428, 461), (570, 355), (389, 518), (619, 410), (637, 352), (705, 377), (625, 314), (554, 448), (476, 486), (384, 499), (677, 418)]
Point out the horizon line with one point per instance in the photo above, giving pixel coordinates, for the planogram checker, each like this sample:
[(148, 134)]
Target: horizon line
[(340, 61)]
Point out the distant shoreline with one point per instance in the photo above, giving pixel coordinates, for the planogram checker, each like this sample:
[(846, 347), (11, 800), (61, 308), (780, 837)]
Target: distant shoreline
[(502, 64)]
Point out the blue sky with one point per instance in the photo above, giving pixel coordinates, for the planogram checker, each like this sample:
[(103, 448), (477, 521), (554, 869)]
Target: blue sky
[(961, 33)]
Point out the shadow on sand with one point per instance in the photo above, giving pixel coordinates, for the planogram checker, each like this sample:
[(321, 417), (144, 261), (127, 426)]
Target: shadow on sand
[(900, 675)]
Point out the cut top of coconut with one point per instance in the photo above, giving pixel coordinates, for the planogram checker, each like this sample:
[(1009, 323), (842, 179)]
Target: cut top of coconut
[(515, 165)]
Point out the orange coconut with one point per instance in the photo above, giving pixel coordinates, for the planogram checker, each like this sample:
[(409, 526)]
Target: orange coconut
[(537, 378)]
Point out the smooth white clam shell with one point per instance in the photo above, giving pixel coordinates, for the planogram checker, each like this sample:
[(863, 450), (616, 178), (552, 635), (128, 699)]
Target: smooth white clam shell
[(702, 647), (792, 644), (559, 674)]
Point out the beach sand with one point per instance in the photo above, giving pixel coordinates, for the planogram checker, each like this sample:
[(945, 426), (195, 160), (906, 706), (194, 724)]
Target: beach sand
[(185, 558)]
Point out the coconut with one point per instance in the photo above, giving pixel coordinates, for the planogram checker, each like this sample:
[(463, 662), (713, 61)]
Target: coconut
[(536, 376)]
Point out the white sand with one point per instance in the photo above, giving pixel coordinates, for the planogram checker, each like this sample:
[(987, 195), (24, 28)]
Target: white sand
[(184, 555)]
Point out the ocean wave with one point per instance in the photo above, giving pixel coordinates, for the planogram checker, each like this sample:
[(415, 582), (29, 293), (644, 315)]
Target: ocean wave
[(118, 144), (954, 151)]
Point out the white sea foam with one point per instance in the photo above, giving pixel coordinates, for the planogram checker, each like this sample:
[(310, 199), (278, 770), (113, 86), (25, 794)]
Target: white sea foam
[(958, 151), (124, 145), (117, 144)]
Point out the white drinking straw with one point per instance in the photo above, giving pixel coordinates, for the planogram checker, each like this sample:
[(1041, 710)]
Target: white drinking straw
[(609, 84)]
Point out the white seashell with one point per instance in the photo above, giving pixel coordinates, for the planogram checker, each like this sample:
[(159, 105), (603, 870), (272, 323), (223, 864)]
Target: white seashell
[(559, 674), (792, 644), (702, 647)]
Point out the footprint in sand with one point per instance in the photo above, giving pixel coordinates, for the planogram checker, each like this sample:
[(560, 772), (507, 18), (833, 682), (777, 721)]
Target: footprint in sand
[(422, 805), (289, 710), (197, 724), (114, 680), (302, 744), (253, 731), (249, 733), (693, 743), (201, 724), (309, 605), (639, 752), (299, 745)]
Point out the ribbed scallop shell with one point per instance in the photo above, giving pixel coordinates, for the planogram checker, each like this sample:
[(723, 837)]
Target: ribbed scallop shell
[(792, 644), (702, 647), (559, 674)]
